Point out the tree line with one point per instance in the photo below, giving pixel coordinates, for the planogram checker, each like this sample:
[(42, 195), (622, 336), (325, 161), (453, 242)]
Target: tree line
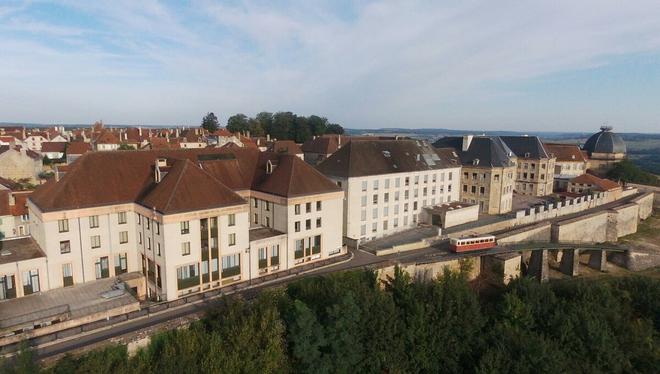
[(280, 125), (352, 323)]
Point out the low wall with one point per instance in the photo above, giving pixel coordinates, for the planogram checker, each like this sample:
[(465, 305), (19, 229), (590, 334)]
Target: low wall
[(429, 271), (540, 232), (590, 228), (566, 207), (649, 189), (622, 221), (646, 203)]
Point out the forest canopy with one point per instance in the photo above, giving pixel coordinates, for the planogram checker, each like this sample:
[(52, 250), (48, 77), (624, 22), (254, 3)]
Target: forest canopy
[(351, 323)]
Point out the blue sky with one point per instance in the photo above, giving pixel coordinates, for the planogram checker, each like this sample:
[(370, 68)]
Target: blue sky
[(554, 65)]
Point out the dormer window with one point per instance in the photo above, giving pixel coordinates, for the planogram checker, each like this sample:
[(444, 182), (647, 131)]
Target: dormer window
[(475, 162), (269, 167)]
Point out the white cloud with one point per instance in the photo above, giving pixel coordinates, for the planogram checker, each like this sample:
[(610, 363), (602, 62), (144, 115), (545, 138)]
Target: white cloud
[(398, 63)]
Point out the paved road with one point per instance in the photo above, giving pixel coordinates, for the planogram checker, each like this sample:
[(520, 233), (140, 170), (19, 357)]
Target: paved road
[(361, 259)]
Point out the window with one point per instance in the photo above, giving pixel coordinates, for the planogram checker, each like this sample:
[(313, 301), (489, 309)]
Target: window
[(299, 251), (396, 196), (232, 220), (275, 255), (363, 215), (473, 189), (267, 221), (426, 178), (65, 246), (363, 230), (139, 219), (316, 246), (147, 221), (139, 238), (297, 209), (101, 268), (405, 207), (364, 186), (267, 206), (482, 190), (67, 275), (187, 276), (406, 194), (231, 265), (374, 227), (396, 223), (63, 225), (386, 211), (416, 179), (308, 207), (158, 249), (386, 197), (396, 209), (185, 227), (149, 244), (374, 213), (385, 225), (232, 239), (415, 205), (255, 202), (364, 201), (387, 183), (256, 218), (121, 265), (406, 181), (318, 206), (296, 226), (185, 248), (376, 184), (93, 222), (121, 218), (397, 182), (30, 282), (95, 241), (318, 222), (263, 258), (308, 224), (123, 237), (375, 199), (7, 287), (157, 227)]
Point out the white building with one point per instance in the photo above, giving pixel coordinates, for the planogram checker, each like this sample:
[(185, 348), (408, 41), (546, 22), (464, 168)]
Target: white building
[(189, 220), (387, 182)]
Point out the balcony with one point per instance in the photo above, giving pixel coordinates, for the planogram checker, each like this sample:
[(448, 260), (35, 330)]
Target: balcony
[(187, 282), (298, 254), (274, 261), (230, 272), (263, 263), (316, 249)]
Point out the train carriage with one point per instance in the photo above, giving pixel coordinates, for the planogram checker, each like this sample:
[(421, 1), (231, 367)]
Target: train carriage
[(472, 243)]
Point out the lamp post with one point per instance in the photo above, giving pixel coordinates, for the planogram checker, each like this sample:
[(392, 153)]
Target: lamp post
[(249, 265)]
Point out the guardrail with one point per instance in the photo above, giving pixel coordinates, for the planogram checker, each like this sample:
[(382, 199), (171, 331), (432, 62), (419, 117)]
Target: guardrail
[(162, 306)]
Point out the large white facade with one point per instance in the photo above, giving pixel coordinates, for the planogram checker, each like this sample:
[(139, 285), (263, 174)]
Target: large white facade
[(380, 205)]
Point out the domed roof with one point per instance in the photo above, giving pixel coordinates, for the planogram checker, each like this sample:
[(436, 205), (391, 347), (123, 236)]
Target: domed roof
[(605, 141)]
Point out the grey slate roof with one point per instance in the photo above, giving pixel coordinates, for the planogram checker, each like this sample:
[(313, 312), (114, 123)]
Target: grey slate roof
[(526, 146), (376, 157), (605, 141), (491, 151)]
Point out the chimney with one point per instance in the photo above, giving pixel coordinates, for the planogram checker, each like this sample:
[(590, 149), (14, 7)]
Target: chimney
[(267, 137), (140, 130), (339, 140), (467, 140), (269, 167)]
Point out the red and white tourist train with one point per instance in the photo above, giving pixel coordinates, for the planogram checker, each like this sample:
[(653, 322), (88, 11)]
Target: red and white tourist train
[(472, 244)]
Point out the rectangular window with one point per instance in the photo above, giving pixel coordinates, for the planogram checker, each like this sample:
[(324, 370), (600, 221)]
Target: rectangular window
[(157, 224), (121, 218), (232, 220), (386, 197), (30, 282), (121, 265), (267, 206), (185, 227), (363, 201), (386, 211), (7, 287), (385, 225), (275, 255), (374, 227), (158, 249), (139, 238), (149, 244), (364, 186), (308, 207), (67, 275), (255, 202), (374, 213), (318, 222), (308, 224), (406, 181), (396, 196), (95, 241), (232, 239), (376, 184), (387, 183), (102, 268), (375, 199), (363, 215), (263, 258), (139, 219), (231, 265), (187, 276), (296, 209), (299, 251), (296, 226), (147, 222), (63, 225), (123, 237), (316, 246), (318, 206), (65, 246), (363, 230), (397, 182), (185, 248), (416, 179), (93, 222)]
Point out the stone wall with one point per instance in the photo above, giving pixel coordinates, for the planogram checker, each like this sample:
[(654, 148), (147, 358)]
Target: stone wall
[(429, 271), (646, 203), (622, 221), (538, 233), (590, 228)]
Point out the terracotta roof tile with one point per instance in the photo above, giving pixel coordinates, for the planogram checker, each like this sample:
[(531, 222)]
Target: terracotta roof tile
[(565, 152), (602, 184)]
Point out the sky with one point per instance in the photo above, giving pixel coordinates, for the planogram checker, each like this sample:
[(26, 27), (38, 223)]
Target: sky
[(481, 65)]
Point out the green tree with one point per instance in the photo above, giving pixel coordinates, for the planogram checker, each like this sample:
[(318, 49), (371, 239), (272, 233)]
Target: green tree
[(317, 125), (210, 122), (255, 127), (306, 339), (265, 119), (282, 124), (334, 128), (237, 123), (627, 172)]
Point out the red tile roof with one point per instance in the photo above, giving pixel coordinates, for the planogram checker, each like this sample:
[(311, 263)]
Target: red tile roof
[(600, 183), (565, 152), (78, 148), (53, 147), (105, 178), (288, 147)]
